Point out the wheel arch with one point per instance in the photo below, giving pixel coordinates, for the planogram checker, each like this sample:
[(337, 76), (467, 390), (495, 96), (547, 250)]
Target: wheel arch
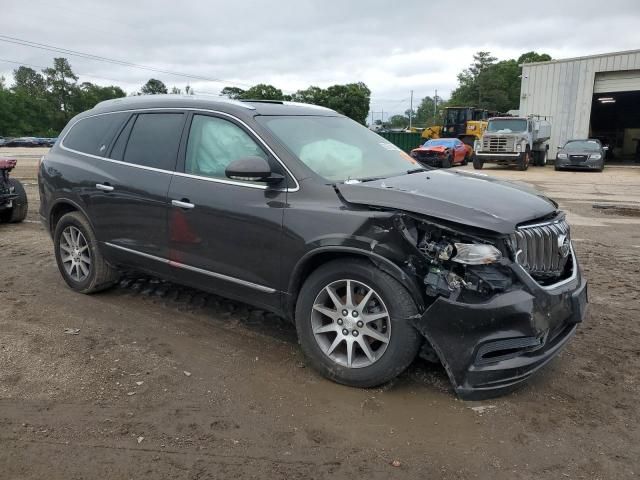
[(61, 207), (319, 256)]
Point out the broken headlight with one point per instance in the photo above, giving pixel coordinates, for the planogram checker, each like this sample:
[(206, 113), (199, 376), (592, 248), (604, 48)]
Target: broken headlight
[(476, 254), (460, 265)]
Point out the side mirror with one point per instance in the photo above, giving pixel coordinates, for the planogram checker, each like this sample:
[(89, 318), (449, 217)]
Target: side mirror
[(559, 147), (605, 148), (251, 169)]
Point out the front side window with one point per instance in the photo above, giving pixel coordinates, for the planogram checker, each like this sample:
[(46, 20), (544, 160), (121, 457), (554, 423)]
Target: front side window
[(214, 143), (92, 135), (338, 148), (154, 140)]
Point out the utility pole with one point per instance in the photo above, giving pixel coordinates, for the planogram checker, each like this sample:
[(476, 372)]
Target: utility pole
[(411, 110), (381, 108), (435, 107)]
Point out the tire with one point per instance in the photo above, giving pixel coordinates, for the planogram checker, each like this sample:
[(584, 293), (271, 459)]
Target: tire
[(477, 163), (543, 158), (524, 160), (388, 359), (448, 161), (540, 158), (99, 274), (18, 212), (465, 160)]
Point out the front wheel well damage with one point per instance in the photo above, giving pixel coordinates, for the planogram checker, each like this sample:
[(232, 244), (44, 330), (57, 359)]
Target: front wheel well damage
[(317, 259)]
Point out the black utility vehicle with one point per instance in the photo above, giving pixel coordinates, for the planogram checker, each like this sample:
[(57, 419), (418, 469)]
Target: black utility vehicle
[(13, 198), (301, 211)]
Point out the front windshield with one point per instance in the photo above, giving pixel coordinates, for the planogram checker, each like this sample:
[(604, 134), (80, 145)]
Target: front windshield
[(582, 145), (338, 148), (507, 125), (440, 143)]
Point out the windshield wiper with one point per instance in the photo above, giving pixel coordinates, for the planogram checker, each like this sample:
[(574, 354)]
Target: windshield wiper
[(370, 179)]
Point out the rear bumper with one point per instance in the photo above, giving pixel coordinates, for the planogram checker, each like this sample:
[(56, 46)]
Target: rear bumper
[(491, 348)]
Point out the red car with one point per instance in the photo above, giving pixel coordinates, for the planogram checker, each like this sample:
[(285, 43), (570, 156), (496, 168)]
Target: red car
[(443, 152)]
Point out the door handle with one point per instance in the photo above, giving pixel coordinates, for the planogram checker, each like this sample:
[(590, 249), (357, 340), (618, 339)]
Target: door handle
[(184, 203), (104, 188)]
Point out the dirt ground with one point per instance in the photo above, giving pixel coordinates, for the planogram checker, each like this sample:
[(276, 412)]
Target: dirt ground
[(168, 382)]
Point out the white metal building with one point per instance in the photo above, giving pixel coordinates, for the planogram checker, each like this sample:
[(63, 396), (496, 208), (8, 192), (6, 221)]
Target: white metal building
[(595, 96)]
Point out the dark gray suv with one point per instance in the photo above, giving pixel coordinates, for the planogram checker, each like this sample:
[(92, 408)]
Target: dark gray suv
[(301, 211)]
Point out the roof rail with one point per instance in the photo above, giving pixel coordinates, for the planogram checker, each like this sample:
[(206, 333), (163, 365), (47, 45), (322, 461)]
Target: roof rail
[(173, 97)]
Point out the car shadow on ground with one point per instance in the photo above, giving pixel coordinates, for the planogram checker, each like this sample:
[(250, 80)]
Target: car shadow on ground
[(224, 312)]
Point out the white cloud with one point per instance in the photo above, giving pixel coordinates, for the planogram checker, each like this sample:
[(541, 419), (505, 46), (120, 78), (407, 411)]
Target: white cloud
[(392, 47)]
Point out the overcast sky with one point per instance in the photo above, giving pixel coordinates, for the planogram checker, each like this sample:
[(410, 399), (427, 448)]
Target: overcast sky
[(393, 47)]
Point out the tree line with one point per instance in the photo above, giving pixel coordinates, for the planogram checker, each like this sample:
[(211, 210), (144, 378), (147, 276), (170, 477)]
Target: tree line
[(41, 103), (487, 83)]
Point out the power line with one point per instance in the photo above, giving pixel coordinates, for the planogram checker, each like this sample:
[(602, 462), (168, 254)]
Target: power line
[(89, 56), (43, 67)]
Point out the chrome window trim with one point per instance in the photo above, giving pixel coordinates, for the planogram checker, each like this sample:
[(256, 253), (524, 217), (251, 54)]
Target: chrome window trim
[(184, 266), (182, 174)]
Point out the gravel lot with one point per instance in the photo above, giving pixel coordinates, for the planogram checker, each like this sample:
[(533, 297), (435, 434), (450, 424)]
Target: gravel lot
[(168, 382)]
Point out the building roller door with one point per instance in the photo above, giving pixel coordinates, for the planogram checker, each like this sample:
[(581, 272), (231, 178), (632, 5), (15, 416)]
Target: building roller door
[(621, 81)]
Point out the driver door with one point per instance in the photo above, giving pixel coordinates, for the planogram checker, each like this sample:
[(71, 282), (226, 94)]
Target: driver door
[(224, 235)]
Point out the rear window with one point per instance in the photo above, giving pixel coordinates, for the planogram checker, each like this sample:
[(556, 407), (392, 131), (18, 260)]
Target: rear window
[(92, 135), (154, 140)]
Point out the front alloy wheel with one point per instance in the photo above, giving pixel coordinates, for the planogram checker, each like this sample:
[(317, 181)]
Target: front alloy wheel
[(354, 323), (351, 323)]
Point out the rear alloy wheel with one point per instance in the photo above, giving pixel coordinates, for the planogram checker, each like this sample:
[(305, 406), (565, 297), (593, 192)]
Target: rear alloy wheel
[(352, 323), (78, 257)]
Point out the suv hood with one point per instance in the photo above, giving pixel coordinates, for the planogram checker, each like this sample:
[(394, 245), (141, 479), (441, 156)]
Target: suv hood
[(465, 198)]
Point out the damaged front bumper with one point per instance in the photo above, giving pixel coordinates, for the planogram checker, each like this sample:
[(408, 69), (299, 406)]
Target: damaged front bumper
[(490, 348)]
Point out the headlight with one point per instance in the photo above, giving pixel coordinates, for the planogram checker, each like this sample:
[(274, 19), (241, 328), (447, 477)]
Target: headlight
[(477, 146), (562, 156), (476, 253), (595, 156), (518, 148)]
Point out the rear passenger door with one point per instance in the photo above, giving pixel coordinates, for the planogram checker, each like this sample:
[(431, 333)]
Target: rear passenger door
[(129, 206)]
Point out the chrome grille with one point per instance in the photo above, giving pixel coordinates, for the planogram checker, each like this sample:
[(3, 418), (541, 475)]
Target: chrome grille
[(497, 144), (578, 158), (543, 249)]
